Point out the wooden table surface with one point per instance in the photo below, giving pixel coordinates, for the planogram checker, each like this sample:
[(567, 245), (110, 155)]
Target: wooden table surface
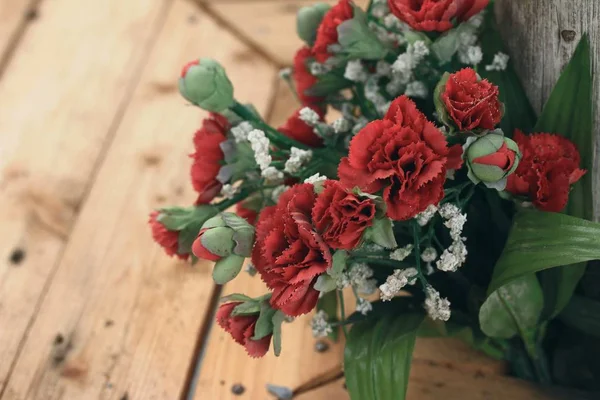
[(94, 135)]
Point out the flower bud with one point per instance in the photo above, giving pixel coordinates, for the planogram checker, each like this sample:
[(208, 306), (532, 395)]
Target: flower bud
[(228, 240), (491, 159), (204, 83), (308, 20)]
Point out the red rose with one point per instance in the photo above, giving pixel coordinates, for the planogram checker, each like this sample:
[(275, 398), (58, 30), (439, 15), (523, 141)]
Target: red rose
[(470, 102), (288, 253), (404, 155), (241, 329), (435, 15), (298, 130), (168, 240), (327, 33), (303, 79), (341, 217), (550, 165), (208, 156), (246, 213)]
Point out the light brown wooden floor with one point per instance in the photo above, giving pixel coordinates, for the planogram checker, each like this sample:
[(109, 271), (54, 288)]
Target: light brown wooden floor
[(93, 135)]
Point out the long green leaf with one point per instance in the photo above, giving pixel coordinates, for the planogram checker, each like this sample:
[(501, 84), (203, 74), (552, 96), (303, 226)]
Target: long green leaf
[(518, 112), (378, 356), (569, 112), (514, 309), (540, 240)]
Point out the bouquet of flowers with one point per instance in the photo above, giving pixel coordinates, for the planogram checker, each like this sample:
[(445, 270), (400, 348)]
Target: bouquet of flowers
[(414, 179)]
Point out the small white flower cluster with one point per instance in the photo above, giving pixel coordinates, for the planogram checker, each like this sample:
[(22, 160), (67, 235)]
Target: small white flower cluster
[(277, 192), (379, 8), (468, 50), (374, 96), (455, 255), (363, 306), (395, 282), (260, 145), (298, 157), (499, 63), (315, 179), (401, 253), (416, 89), (317, 69), (355, 71), (436, 307), (361, 122), (341, 125), (228, 191), (320, 327), (359, 276), (241, 131), (404, 66), (309, 116), (429, 254), (424, 217)]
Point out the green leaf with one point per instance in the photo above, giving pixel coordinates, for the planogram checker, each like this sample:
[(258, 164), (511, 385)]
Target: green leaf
[(358, 40), (264, 323), (583, 314), (378, 356), (325, 284), (248, 308), (381, 233), (277, 320), (569, 112), (541, 240), (518, 112), (329, 83), (338, 264), (513, 309), (236, 297)]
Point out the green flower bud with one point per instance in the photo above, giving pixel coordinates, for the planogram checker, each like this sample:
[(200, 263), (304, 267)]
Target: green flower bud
[(491, 159), (308, 20), (227, 269), (204, 83), (224, 235)]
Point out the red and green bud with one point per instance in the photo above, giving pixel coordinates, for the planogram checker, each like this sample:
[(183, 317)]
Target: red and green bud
[(491, 159), (205, 84), (226, 239)]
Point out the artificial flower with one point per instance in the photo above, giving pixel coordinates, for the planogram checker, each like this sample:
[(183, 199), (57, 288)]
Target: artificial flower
[(435, 15), (241, 328)]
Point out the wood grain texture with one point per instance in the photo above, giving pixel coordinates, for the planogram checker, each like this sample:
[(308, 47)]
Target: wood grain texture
[(14, 17), (59, 98), (120, 319), (269, 25), (541, 36)]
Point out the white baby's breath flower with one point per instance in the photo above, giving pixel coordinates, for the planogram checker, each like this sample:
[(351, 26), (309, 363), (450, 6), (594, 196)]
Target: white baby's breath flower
[(241, 131), (320, 327), (436, 307), (456, 225), (272, 175), (416, 89), (309, 116), (418, 50), (473, 55), (297, 158), (355, 71), (383, 68), (260, 145), (228, 191), (448, 262), (429, 254), (499, 63), (448, 210), (341, 125), (395, 282), (315, 179), (424, 217), (401, 253), (317, 69), (363, 306)]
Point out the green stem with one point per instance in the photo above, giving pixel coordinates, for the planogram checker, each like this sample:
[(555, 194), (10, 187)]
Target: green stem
[(343, 312), (417, 250), (225, 204)]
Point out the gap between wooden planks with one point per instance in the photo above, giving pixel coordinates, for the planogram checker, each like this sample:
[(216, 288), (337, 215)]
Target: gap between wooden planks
[(59, 97), (15, 17), (120, 318)]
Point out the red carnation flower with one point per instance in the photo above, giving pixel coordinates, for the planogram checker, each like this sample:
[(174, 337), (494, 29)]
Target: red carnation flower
[(246, 213), (341, 217), (241, 329), (168, 240), (327, 33), (288, 253), (470, 102), (202, 252), (300, 131), (208, 156), (303, 79), (435, 15), (550, 165), (404, 155)]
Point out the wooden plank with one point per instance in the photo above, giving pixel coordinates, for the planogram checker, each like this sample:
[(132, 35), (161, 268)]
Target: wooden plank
[(59, 97), (129, 317), (271, 26), (541, 36), (14, 16)]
